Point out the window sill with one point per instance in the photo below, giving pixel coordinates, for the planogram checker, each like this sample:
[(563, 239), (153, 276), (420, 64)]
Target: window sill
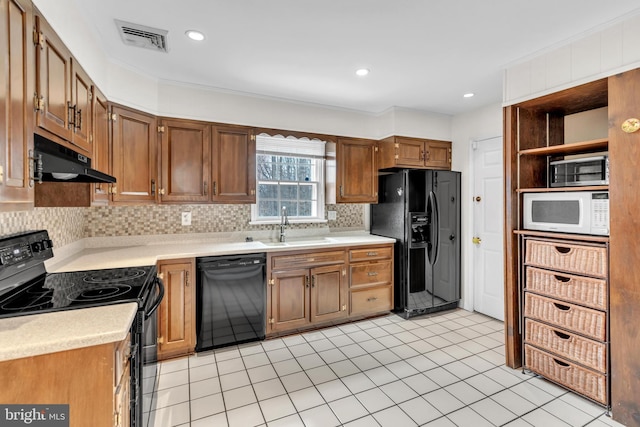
[(291, 221)]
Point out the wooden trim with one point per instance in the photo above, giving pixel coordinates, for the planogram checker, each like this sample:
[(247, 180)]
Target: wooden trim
[(561, 189), (565, 236), (571, 148), (296, 134)]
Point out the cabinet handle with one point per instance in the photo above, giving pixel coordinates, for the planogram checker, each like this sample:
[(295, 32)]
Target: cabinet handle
[(341, 191), (205, 187), (372, 253), (562, 307), (561, 278), (215, 188), (428, 156), (153, 186), (306, 281), (313, 281), (372, 273), (186, 278), (561, 335), (72, 122), (371, 299), (563, 250), (78, 119), (422, 155), (561, 363)]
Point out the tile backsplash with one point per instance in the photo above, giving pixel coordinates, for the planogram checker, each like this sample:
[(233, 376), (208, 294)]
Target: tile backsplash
[(67, 225)]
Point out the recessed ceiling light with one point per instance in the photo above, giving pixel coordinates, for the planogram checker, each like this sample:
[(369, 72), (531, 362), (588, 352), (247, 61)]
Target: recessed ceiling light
[(362, 72), (468, 95), (195, 35)]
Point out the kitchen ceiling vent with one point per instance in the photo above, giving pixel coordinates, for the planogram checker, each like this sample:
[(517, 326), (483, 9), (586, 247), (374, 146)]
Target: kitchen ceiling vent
[(143, 36)]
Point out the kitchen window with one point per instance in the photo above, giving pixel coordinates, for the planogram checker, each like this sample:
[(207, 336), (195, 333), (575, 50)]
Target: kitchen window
[(290, 173)]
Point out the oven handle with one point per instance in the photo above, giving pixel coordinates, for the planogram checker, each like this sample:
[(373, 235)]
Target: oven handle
[(156, 304)]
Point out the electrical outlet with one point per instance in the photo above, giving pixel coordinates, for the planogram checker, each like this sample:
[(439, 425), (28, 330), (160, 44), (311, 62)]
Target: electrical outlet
[(186, 218), (332, 215)]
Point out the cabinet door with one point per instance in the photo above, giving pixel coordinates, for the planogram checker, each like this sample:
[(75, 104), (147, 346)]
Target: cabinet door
[(80, 113), (410, 152), (328, 293), (233, 165), (357, 178), (184, 171), (134, 151), (438, 155), (53, 67), (176, 315), (17, 84), (101, 146), (289, 300)]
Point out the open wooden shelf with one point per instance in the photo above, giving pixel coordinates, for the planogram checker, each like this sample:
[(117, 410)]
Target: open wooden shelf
[(560, 189), (572, 148), (566, 236)]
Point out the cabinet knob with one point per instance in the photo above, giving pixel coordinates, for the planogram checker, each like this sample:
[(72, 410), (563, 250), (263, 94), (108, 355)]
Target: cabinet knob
[(478, 198), (631, 125)]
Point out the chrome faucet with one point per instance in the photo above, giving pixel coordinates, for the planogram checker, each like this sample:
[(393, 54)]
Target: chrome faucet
[(284, 222)]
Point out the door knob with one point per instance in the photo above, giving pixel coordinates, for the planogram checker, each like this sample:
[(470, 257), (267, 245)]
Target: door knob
[(478, 198), (476, 240)]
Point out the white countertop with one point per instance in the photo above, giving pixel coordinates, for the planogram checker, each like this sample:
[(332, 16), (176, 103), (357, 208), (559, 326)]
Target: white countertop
[(147, 250), (33, 335), (38, 334)]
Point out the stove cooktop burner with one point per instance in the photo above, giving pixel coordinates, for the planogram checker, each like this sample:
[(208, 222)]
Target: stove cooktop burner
[(103, 292), (111, 276)]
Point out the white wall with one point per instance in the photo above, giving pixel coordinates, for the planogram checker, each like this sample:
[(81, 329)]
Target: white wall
[(480, 124), (603, 52)]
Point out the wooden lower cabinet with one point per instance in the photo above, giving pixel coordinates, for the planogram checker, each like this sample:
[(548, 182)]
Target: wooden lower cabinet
[(305, 288), (176, 314), (93, 381), (311, 288)]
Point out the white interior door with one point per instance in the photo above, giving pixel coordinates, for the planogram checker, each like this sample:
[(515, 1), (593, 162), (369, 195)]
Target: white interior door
[(488, 217)]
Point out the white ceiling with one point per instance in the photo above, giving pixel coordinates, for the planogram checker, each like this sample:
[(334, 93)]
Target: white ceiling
[(423, 54)]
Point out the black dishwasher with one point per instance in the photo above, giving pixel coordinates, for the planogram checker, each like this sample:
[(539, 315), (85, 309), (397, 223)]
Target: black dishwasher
[(230, 300)]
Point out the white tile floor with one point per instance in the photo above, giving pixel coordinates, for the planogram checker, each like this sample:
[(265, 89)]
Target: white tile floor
[(438, 370)]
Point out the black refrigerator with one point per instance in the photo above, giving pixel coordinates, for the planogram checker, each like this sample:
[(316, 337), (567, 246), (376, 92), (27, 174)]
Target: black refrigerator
[(421, 210)]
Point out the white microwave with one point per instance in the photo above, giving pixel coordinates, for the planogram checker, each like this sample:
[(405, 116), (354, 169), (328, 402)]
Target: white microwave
[(581, 212)]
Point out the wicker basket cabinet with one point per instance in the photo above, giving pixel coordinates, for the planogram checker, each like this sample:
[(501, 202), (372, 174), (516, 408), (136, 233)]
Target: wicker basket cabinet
[(565, 307)]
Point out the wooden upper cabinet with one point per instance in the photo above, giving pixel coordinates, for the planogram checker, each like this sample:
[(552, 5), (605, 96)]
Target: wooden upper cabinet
[(357, 178), (233, 165), (400, 151), (134, 156), (17, 83), (100, 159), (64, 91), (81, 103), (185, 161), (53, 64)]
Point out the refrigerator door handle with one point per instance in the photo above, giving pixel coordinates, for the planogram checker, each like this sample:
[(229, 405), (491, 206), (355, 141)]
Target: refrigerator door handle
[(435, 227)]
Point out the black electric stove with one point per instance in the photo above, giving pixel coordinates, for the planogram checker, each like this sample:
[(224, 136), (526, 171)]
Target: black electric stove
[(26, 289)]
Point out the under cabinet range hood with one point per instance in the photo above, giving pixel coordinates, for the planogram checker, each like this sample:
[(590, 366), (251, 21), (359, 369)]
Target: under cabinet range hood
[(55, 163)]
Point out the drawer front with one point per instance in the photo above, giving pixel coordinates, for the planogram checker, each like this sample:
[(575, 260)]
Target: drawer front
[(371, 300), (592, 354), (580, 290), (370, 254), (585, 321), (307, 259), (568, 257), (370, 273), (562, 371)]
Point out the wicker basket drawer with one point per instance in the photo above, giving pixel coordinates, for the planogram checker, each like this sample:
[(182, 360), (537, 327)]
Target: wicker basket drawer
[(592, 354), (565, 256), (582, 320), (584, 381), (581, 290)]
